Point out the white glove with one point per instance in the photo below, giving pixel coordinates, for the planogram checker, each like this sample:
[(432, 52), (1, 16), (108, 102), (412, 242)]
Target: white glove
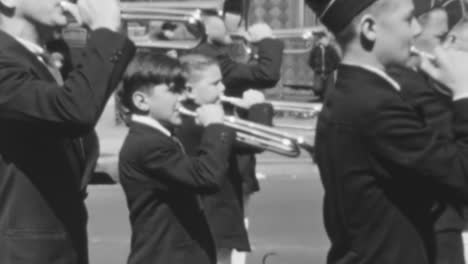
[(260, 31)]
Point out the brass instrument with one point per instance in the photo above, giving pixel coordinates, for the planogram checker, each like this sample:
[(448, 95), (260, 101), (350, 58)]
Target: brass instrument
[(421, 53), (139, 17), (262, 136), (304, 33), (305, 110), (174, 5), (303, 36)]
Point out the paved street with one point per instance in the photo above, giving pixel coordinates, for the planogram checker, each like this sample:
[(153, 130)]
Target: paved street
[(285, 218), (286, 215)]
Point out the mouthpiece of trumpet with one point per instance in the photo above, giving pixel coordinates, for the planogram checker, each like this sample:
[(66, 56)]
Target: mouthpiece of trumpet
[(421, 53)]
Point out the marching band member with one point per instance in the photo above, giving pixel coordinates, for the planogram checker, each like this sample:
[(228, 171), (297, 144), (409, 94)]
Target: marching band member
[(161, 182), (223, 209), (323, 60), (263, 73), (377, 157), (47, 122), (434, 104)]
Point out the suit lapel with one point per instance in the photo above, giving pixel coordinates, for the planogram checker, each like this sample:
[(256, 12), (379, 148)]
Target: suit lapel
[(10, 47)]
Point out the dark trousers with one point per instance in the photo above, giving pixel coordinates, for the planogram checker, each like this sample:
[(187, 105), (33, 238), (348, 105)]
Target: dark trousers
[(449, 247)]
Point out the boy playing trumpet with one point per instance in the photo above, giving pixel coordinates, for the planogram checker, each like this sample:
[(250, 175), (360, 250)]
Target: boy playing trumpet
[(223, 209), (162, 184)]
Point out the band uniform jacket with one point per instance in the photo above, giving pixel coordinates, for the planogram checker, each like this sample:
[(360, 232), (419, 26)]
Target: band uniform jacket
[(239, 77), (42, 212), (262, 73), (434, 104), (224, 209), (375, 154), (162, 184)]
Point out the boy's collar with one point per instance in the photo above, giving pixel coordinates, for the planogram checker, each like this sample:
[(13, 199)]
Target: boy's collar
[(146, 120), (376, 71), (31, 46)]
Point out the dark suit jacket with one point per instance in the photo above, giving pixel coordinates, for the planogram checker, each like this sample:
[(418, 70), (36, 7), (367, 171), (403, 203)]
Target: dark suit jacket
[(436, 108), (239, 77), (42, 216), (224, 209), (161, 184), (375, 154)]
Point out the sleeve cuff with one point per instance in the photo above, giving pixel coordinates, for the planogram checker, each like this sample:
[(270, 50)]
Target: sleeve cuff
[(460, 97)]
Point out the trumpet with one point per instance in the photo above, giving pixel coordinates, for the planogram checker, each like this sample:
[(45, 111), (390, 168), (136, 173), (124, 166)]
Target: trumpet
[(262, 136), (305, 110), (416, 51), (305, 36), (138, 18), (301, 33)]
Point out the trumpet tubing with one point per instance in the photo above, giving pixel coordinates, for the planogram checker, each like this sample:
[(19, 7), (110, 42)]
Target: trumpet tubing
[(262, 136), (304, 33), (309, 110), (421, 53), (174, 5), (154, 14)]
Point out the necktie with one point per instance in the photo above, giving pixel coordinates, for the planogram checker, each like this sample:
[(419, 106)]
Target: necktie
[(179, 144), (51, 61)]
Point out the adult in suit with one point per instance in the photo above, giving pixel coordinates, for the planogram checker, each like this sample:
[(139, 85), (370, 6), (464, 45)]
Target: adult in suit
[(434, 103), (47, 140), (376, 154)]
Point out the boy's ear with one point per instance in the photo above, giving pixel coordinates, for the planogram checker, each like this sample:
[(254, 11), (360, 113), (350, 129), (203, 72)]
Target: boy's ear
[(368, 28), (140, 101)]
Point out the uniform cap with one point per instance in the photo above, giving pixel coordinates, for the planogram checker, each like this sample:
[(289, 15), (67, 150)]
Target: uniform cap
[(455, 11), (337, 14)]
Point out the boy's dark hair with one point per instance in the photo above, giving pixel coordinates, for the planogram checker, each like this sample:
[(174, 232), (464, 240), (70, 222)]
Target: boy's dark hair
[(147, 70)]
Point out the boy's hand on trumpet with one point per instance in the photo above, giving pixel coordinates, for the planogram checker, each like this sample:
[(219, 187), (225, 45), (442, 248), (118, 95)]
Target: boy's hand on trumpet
[(249, 98), (210, 114), (449, 68), (95, 14), (260, 31)]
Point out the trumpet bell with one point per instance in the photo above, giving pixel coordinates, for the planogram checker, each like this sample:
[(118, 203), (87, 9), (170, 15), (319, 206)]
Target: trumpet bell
[(144, 22)]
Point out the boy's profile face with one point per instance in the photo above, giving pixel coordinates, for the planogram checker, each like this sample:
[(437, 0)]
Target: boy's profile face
[(434, 31), (161, 104), (395, 29), (206, 86)]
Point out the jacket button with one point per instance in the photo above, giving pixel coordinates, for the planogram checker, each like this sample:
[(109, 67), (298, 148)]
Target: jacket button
[(223, 137)]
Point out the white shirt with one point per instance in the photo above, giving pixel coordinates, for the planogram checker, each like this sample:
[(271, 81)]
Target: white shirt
[(32, 47), (146, 120)]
